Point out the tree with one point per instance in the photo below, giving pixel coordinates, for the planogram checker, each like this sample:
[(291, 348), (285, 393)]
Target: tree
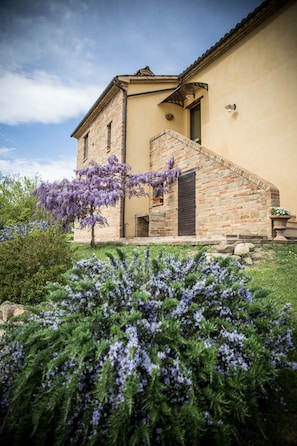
[(96, 186), (17, 205)]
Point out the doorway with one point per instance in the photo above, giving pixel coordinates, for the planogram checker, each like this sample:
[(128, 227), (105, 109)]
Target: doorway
[(187, 204)]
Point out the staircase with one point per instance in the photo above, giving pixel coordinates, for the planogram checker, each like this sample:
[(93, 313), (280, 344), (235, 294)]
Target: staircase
[(291, 229)]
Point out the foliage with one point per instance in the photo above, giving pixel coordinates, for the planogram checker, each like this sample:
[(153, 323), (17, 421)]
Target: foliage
[(95, 187), (17, 204), (280, 211), (101, 250), (166, 351), (278, 274), (10, 231), (28, 262)]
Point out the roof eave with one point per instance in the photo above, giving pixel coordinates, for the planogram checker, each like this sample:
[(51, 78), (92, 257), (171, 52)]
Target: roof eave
[(243, 28), (94, 107), (108, 92)]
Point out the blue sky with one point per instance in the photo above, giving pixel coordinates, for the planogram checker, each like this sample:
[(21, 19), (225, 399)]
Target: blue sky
[(57, 56)]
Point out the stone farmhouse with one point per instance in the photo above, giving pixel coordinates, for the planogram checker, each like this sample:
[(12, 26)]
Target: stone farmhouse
[(229, 120)]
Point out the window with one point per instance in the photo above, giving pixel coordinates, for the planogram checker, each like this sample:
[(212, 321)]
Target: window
[(195, 123), (158, 195), (108, 143), (86, 146)]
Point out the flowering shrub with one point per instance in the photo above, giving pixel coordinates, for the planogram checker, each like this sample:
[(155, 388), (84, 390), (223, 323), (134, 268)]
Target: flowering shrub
[(280, 211), (97, 186), (8, 232), (164, 351)]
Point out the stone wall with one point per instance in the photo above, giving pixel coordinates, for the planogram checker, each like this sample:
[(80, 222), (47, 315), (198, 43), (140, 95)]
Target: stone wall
[(111, 114), (230, 201)]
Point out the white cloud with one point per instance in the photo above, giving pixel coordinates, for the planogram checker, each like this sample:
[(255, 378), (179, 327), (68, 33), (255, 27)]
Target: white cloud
[(5, 151), (49, 170), (41, 98)]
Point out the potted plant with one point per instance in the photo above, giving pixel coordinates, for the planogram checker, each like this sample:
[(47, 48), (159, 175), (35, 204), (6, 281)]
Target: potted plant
[(279, 217), (158, 200)]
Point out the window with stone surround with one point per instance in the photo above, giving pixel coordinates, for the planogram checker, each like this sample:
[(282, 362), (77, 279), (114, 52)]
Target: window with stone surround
[(86, 147), (158, 195), (108, 142)]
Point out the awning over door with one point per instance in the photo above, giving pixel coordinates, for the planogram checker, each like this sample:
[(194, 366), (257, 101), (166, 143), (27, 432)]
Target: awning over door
[(183, 92)]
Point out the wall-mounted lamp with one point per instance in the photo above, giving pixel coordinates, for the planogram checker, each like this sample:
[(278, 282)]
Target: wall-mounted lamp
[(169, 116), (230, 107), (190, 96)]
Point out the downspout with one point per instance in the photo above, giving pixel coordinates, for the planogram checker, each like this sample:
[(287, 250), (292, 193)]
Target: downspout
[(124, 155)]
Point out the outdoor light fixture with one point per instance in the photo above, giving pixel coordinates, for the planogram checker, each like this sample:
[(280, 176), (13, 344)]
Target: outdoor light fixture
[(190, 96), (230, 107), (169, 116)]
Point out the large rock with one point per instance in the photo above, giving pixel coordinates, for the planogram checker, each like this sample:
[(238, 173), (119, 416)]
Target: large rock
[(8, 310), (222, 248), (242, 249), (247, 260)]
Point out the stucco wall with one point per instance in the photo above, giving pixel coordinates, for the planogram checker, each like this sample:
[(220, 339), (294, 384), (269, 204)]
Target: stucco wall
[(229, 200), (145, 118), (259, 75)]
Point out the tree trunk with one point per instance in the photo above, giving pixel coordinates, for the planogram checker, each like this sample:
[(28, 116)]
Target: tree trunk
[(93, 244)]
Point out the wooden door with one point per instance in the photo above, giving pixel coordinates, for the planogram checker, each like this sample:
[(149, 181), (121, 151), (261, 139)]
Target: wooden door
[(187, 204)]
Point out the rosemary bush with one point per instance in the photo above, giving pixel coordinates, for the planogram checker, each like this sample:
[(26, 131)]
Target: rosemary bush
[(164, 351), (8, 232)]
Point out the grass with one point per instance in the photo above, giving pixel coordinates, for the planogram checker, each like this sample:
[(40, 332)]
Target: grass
[(84, 251), (277, 273)]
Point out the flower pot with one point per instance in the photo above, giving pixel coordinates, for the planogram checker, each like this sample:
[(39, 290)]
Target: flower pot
[(279, 226)]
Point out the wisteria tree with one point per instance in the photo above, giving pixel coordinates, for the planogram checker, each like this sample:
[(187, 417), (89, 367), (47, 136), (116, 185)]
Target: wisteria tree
[(99, 186)]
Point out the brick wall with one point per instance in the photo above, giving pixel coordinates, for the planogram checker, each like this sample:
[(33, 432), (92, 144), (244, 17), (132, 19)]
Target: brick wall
[(157, 224), (97, 135), (229, 199)]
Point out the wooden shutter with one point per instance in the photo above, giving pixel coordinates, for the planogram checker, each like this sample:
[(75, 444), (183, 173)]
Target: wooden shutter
[(186, 204)]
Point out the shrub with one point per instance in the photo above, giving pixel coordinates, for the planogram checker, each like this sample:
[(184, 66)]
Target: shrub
[(29, 261), (165, 351), (8, 232), (17, 204)]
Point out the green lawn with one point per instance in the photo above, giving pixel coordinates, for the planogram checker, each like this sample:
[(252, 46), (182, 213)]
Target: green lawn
[(276, 273), (279, 273)]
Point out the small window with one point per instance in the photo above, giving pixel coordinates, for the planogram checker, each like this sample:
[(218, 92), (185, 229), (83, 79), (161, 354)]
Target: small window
[(195, 123), (158, 197), (86, 146), (108, 142)]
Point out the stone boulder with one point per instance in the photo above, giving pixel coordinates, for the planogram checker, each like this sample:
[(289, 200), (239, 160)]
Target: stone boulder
[(223, 248), (242, 249), (7, 311)]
